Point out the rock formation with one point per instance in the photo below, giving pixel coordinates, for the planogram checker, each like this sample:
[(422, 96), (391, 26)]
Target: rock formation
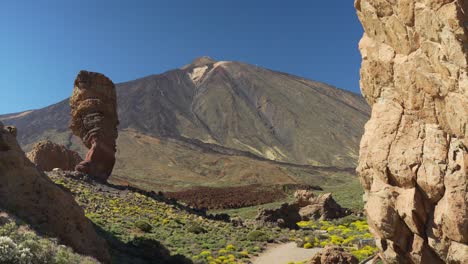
[(94, 120), (322, 207), (286, 216), (333, 255), (306, 206), (31, 196), (413, 158), (47, 156)]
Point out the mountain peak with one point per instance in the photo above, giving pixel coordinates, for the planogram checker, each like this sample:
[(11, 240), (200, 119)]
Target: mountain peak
[(200, 62)]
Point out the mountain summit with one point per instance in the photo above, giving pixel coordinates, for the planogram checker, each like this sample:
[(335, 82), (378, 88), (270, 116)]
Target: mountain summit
[(171, 122), (200, 62)]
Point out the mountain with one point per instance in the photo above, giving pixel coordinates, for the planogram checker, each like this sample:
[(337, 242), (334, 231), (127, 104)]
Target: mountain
[(219, 123)]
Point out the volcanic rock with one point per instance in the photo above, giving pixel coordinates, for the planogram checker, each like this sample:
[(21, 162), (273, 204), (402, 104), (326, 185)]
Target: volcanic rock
[(47, 156), (286, 216), (414, 156), (33, 197), (333, 255), (322, 207), (94, 120)]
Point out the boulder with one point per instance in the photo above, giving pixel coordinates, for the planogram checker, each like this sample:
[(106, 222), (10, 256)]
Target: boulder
[(286, 216), (414, 153), (322, 207), (47, 156), (94, 120), (33, 197), (333, 255)]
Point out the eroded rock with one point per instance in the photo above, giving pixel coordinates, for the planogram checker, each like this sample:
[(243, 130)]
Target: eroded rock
[(94, 120), (322, 207), (47, 155), (333, 255), (413, 157), (32, 196), (286, 216)]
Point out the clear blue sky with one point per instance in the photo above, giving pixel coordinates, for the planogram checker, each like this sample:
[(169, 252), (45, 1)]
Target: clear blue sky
[(45, 43)]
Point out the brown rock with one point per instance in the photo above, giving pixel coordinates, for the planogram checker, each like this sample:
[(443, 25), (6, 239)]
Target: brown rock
[(414, 156), (94, 120), (333, 255), (47, 156), (35, 198), (286, 216), (322, 207), (303, 197)]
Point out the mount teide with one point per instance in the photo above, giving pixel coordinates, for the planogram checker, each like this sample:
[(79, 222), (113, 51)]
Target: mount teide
[(220, 123)]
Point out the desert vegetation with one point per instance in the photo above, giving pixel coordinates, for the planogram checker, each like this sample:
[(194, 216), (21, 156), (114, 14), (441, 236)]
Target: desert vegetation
[(130, 218), (135, 218), (351, 233), (20, 244)]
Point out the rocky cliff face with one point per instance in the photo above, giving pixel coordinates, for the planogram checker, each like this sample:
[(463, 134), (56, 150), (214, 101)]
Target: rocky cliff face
[(30, 195), (413, 157)]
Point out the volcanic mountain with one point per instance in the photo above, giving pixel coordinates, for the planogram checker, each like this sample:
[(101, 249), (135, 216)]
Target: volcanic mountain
[(217, 123)]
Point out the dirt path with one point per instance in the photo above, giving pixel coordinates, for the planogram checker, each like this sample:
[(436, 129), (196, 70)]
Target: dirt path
[(285, 253)]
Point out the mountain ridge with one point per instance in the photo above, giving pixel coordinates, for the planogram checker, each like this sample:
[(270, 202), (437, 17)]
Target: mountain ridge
[(245, 113)]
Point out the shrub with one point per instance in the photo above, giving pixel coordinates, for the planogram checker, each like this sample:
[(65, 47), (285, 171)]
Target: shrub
[(308, 245), (205, 253), (244, 254), (364, 252), (258, 235), (230, 247), (143, 226), (8, 250), (196, 229)]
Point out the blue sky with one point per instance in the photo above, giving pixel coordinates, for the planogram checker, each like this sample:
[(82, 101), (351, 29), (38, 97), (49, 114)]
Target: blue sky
[(44, 44)]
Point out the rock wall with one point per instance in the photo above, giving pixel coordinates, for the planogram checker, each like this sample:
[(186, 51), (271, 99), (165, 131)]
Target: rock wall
[(94, 120), (31, 196), (413, 157), (47, 156)]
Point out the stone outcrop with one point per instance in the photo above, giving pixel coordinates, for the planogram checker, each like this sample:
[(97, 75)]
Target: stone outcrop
[(414, 153), (47, 156), (333, 255), (307, 206), (322, 207), (286, 216), (94, 120), (33, 197)]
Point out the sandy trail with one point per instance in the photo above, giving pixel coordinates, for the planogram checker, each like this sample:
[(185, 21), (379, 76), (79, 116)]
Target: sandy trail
[(284, 253)]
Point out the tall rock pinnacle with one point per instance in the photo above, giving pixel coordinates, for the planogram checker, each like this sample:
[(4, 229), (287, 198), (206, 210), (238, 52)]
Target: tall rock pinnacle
[(94, 119), (414, 153)]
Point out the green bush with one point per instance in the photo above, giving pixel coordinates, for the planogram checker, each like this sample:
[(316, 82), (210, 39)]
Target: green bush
[(143, 226), (196, 229), (258, 235)]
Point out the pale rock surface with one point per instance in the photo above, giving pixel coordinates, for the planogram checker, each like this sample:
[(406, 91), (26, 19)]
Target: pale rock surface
[(321, 206), (414, 156)]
